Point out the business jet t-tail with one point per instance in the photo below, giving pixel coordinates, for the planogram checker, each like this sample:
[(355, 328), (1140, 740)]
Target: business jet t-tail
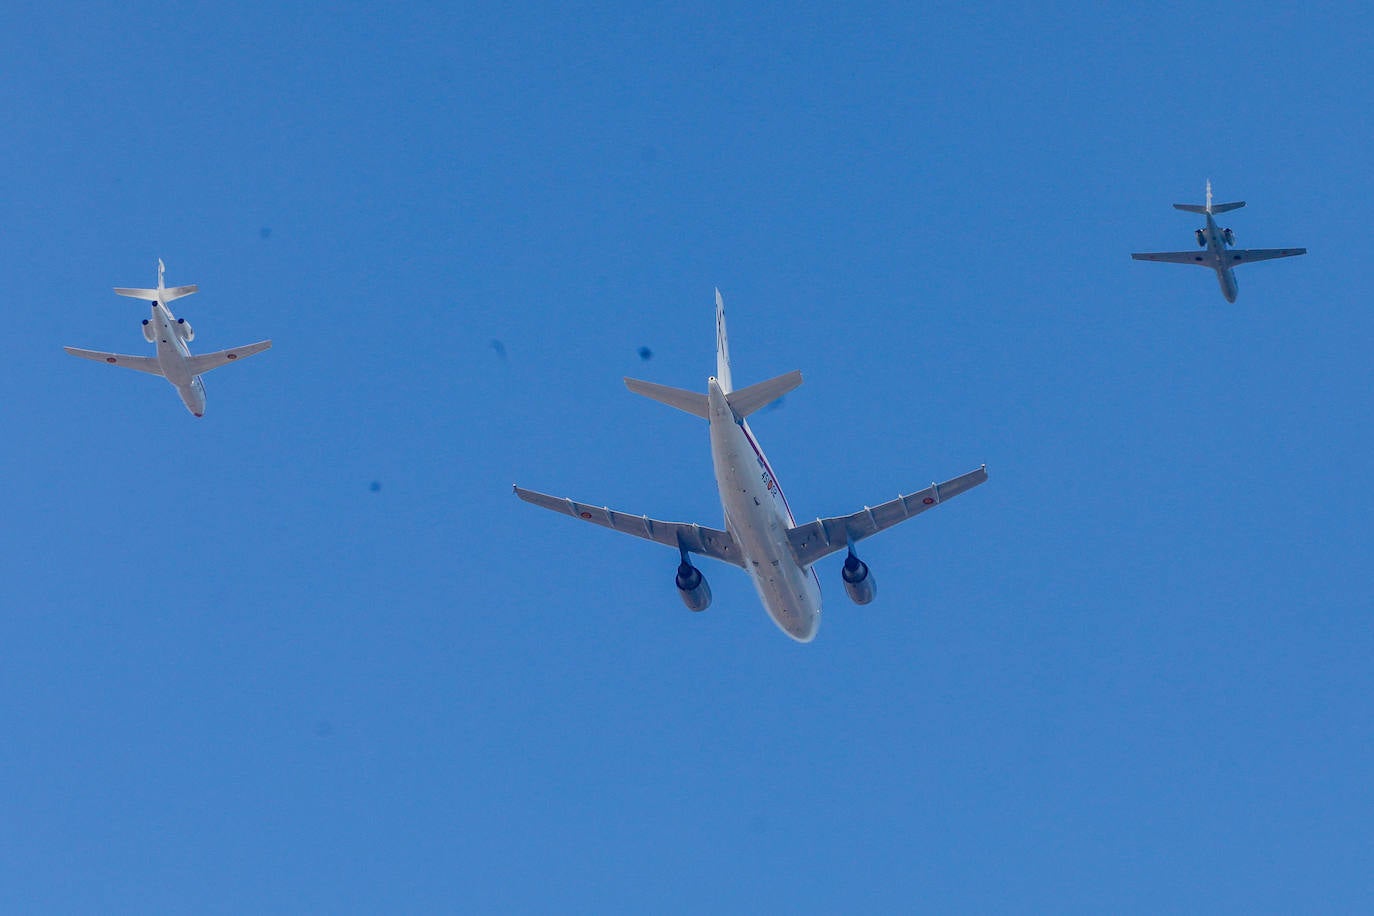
[(760, 535), (1215, 241), (170, 334)]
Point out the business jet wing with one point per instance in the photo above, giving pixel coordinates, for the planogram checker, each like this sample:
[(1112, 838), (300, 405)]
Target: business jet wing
[(141, 363), (1175, 257), (709, 542), (825, 536), (207, 361), (1247, 255)]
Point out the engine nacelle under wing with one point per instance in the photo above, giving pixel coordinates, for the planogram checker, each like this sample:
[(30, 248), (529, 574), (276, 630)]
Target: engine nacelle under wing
[(692, 586), (149, 332), (858, 581), (185, 330)]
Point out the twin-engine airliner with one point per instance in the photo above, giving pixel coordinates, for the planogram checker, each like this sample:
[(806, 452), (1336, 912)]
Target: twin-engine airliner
[(170, 334), (760, 535), (1217, 254)]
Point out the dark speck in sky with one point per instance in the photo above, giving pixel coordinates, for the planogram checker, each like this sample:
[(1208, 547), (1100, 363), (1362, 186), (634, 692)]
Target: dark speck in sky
[(645, 353), (376, 486), (499, 347), (265, 232)]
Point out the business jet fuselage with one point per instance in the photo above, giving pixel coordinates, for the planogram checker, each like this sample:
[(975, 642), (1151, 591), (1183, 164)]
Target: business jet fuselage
[(172, 356), (1215, 241)]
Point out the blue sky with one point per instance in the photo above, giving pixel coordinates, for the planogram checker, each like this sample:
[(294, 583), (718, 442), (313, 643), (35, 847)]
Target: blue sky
[(1131, 673)]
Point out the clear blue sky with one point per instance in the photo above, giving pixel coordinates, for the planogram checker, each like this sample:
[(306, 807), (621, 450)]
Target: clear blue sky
[(1131, 673)]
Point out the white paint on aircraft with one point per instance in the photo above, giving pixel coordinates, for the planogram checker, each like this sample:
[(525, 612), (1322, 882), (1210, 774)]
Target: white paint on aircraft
[(760, 536), (1215, 243), (170, 335)]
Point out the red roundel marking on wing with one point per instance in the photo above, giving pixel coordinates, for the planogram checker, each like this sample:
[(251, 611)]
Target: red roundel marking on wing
[(586, 515), (929, 501), (111, 359)]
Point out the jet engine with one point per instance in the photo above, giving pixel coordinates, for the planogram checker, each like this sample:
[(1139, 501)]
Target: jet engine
[(149, 332), (692, 585), (1201, 238), (184, 329), (1229, 236), (858, 581)]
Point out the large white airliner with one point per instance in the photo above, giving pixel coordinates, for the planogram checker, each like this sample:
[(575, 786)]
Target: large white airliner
[(174, 361), (1215, 241), (760, 536)]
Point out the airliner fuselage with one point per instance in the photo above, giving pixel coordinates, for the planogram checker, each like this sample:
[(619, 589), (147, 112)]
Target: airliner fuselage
[(757, 514)]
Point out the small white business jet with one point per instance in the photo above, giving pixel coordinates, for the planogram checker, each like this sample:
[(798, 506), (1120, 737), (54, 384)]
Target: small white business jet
[(761, 536), (174, 361), (1216, 241)]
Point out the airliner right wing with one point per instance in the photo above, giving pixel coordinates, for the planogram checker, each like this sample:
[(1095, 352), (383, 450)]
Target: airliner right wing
[(825, 536), (1174, 257), (709, 542), (207, 361), (141, 363)]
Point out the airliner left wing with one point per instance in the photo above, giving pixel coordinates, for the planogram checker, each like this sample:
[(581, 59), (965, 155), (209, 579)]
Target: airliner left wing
[(709, 542), (141, 363), (207, 361), (825, 536)]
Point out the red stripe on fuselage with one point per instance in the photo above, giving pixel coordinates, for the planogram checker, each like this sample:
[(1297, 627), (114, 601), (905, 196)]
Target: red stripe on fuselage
[(791, 520), (749, 437)]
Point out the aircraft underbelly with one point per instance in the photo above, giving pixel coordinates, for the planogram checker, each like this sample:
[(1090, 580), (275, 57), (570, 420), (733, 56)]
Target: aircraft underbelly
[(754, 515), (173, 364), (1229, 287), (175, 372)]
